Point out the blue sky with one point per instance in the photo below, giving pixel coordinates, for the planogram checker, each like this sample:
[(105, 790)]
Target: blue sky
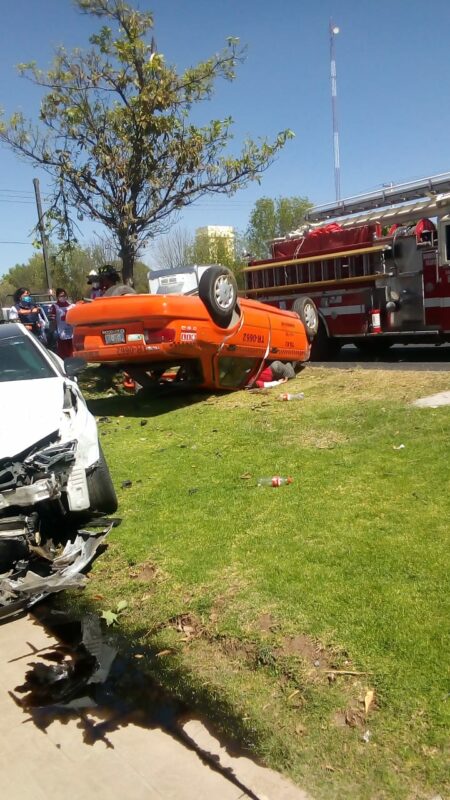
[(393, 73)]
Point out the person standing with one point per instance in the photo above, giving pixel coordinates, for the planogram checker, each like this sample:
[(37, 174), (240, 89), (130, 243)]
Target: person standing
[(64, 331), (94, 282), (111, 282), (28, 313)]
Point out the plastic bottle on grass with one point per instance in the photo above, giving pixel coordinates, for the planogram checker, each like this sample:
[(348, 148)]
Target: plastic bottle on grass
[(277, 480), (289, 396)]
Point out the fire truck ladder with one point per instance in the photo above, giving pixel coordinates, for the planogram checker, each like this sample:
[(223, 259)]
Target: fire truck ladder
[(429, 189)]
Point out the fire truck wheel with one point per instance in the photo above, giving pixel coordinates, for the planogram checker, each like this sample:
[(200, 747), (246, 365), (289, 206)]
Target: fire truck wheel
[(218, 290), (307, 311)]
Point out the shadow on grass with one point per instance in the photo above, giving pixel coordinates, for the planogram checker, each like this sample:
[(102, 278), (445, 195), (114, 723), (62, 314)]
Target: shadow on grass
[(150, 692), (161, 400), (150, 402)]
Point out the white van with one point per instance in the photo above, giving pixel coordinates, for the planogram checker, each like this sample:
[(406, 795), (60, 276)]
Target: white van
[(176, 280)]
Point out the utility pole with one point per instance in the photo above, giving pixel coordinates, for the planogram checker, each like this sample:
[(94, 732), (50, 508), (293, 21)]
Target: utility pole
[(42, 233), (334, 30)]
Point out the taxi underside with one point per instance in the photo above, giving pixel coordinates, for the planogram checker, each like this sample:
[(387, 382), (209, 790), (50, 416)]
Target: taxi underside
[(158, 339)]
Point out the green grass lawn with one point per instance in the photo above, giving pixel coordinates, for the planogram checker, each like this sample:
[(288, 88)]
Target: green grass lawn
[(278, 611)]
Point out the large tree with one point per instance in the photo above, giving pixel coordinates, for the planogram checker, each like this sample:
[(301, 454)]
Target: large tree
[(271, 218), (116, 136)]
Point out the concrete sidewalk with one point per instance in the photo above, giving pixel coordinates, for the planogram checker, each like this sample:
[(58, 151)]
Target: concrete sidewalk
[(138, 763)]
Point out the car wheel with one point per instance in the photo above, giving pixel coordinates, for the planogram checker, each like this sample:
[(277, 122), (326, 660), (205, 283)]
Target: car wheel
[(218, 291), (307, 311), (102, 495)]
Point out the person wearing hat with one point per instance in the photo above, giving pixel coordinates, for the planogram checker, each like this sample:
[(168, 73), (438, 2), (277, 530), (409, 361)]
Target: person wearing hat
[(111, 282), (94, 282)]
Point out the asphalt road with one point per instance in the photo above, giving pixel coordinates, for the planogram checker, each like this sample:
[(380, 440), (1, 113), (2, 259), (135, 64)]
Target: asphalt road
[(399, 357)]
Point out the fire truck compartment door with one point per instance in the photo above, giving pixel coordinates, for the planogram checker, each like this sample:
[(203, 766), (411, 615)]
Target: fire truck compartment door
[(408, 283), (411, 311), (444, 240)]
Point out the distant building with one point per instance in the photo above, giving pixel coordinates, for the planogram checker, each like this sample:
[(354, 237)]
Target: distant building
[(214, 242)]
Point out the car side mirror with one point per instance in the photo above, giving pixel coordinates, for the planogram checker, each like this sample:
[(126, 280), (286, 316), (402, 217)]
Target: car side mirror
[(73, 366)]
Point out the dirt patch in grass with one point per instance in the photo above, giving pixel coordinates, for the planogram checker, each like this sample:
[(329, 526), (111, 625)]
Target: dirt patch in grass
[(358, 712), (360, 706), (318, 663), (349, 718), (300, 645), (187, 625), (226, 600), (339, 719), (266, 623), (320, 439), (146, 573), (237, 649)]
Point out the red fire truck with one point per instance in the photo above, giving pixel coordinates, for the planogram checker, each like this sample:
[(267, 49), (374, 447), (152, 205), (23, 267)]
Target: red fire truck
[(377, 267)]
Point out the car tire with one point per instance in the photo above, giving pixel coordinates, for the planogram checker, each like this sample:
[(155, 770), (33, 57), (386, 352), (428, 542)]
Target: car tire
[(307, 311), (102, 495), (218, 291)]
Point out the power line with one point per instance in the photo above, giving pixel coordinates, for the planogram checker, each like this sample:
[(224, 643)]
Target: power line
[(17, 191), (11, 200)]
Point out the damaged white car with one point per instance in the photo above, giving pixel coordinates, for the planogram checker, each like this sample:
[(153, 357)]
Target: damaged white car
[(53, 472)]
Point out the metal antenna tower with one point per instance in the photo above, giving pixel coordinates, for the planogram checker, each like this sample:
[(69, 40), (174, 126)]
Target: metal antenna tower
[(334, 30)]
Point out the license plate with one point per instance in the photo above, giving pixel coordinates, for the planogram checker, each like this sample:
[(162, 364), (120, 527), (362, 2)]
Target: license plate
[(114, 337), (187, 336)]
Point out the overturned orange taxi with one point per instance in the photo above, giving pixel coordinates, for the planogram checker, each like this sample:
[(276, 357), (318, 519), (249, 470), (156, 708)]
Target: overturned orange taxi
[(215, 340)]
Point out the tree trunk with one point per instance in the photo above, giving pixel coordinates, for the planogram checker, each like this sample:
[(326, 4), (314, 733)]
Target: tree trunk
[(128, 257)]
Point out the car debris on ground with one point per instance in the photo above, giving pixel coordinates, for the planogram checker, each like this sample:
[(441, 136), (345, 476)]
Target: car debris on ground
[(48, 571)]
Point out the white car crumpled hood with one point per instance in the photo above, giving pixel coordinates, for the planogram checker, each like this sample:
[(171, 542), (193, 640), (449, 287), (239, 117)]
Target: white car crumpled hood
[(29, 411)]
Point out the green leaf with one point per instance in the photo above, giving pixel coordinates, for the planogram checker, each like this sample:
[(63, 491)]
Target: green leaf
[(110, 618), (121, 605)]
